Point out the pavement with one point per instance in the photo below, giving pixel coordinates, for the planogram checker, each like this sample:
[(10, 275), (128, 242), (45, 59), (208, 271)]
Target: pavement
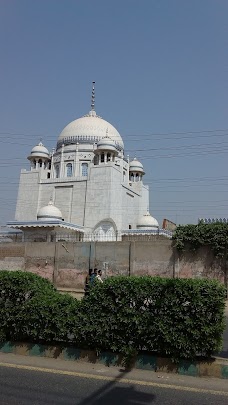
[(29, 380)]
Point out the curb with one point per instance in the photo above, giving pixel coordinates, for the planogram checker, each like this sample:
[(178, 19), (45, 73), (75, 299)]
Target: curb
[(215, 367)]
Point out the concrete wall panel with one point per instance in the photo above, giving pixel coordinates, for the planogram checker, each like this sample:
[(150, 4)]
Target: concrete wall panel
[(67, 264)]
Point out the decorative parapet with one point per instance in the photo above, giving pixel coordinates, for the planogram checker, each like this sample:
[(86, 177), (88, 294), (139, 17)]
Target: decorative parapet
[(157, 232), (64, 179), (213, 220)]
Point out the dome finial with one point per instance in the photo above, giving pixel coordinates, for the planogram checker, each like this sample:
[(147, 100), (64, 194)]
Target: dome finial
[(93, 97)]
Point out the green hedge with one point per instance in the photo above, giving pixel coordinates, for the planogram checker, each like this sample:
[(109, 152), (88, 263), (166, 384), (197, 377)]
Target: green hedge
[(174, 317), (180, 318), (32, 310)]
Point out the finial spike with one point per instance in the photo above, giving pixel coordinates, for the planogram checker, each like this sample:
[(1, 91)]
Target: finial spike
[(93, 97)]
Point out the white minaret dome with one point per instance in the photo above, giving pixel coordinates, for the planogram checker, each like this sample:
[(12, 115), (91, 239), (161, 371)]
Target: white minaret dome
[(49, 212), (106, 143), (39, 151), (147, 222), (89, 129), (136, 166)]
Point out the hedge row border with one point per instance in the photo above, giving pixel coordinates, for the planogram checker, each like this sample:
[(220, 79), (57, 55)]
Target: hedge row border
[(214, 367)]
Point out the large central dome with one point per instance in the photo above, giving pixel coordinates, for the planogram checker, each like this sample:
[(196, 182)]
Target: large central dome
[(89, 129)]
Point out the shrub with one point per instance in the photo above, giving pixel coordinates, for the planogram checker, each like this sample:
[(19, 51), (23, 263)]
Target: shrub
[(194, 236), (32, 310), (20, 286), (174, 317), (50, 320), (17, 290)]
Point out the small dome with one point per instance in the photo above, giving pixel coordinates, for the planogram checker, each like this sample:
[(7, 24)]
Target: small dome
[(136, 166), (89, 129), (39, 151), (147, 222), (106, 144), (49, 212)]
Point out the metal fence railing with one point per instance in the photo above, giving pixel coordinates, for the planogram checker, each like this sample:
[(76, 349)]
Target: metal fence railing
[(131, 235)]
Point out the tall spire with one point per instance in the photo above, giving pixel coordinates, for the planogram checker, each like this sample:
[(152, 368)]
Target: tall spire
[(93, 97)]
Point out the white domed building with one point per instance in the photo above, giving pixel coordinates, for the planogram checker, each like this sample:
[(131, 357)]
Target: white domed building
[(97, 190)]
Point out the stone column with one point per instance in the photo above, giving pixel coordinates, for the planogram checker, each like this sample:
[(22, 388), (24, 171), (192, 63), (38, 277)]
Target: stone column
[(128, 174), (52, 165), (76, 162), (61, 169)]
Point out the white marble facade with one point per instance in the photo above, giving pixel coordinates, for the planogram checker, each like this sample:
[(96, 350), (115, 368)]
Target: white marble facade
[(88, 179)]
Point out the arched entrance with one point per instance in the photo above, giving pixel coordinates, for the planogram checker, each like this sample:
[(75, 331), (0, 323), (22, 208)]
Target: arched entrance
[(105, 231)]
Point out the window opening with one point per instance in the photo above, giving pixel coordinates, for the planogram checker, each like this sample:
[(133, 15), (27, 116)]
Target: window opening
[(102, 158), (85, 169), (69, 169)]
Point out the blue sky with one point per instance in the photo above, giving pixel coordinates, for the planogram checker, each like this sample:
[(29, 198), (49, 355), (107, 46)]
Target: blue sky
[(160, 68)]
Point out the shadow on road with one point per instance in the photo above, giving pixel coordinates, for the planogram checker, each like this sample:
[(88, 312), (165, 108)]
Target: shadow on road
[(111, 394)]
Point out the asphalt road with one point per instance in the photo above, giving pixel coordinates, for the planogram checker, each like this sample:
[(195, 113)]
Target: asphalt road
[(30, 382)]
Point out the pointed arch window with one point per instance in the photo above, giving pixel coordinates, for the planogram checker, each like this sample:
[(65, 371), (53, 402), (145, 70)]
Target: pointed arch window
[(69, 170), (84, 169), (57, 171)]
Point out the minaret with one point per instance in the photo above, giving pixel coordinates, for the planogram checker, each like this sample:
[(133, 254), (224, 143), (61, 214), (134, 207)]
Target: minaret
[(92, 111)]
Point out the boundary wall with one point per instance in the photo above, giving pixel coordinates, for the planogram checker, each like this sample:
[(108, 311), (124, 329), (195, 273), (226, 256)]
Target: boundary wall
[(66, 264)]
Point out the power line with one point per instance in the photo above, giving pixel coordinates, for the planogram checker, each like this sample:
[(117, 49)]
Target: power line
[(139, 136)]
